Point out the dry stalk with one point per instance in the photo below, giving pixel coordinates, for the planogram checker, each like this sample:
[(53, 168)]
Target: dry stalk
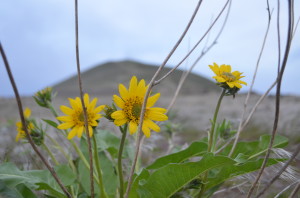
[(252, 83), (82, 102), (280, 172), (12, 81), (195, 46), (151, 84), (280, 75), (203, 53), (294, 193)]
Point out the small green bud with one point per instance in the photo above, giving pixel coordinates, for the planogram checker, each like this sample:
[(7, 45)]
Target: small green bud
[(44, 97)]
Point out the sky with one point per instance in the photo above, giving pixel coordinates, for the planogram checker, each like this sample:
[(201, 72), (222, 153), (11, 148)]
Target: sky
[(39, 38)]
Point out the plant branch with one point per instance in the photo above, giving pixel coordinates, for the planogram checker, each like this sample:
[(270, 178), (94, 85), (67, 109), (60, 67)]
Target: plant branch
[(252, 83), (98, 167), (195, 46), (280, 171), (88, 133), (203, 53), (280, 75), (120, 168), (151, 84), (12, 81), (294, 193)]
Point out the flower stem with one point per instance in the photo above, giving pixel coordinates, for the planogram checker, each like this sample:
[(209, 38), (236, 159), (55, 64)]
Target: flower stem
[(98, 167), (63, 152), (120, 169), (50, 153), (211, 144), (212, 130)]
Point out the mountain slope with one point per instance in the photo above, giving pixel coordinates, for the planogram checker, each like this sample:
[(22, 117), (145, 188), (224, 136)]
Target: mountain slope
[(104, 80)]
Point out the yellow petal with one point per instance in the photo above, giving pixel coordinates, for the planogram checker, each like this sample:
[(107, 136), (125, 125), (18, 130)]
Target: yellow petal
[(152, 125), (132, 127), (99, 109), (141, 88), (66, 125), (92, 104), (219, 79), (237, 85), (152, 100), (236, 73), (230, 84), (120, 122), (158, 109), (66, 110), (156, 116), (74, 104), (18, 137), (242, 82), (72, 133), (65, 118), (27, 113), (118, 115), (123, 91), (146, 131), (215, 69), (133, 85), (80, 131), (119, 102), (90, 131)]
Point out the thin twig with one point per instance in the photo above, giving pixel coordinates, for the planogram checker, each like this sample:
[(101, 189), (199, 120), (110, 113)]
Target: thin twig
[(147, 95), (256, 105), (204, 51), (233, 187), (286, 188), (279, 172), (252, 83), (24, 124), (82, 101), (195, 46), (280, 75), (294, 193)]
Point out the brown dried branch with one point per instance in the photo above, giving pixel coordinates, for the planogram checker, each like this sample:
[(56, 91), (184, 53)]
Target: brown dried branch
[(151, 84), (280, 172), (195, 46), (252, 83), (12, 81), (280, 75), (204, 51), (82, 102)]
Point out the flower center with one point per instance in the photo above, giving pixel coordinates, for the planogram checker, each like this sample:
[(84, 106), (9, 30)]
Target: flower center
[(229, 76), (132, 108)]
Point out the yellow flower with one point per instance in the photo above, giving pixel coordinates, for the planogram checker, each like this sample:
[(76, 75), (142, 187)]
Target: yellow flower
[(75, 118), (20, 128), (225, 76), (131, 101)]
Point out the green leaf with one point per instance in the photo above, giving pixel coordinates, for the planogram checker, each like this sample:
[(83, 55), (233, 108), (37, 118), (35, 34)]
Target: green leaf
[(229, 171), (138, 180), (195, 149), (166, 181), (8, 192), (25, 191), (256, 148), (51, 123), (34, 179), (110, 178), (65, 174)]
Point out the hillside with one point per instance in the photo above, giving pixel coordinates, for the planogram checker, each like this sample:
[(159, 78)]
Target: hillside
[(104, 80)]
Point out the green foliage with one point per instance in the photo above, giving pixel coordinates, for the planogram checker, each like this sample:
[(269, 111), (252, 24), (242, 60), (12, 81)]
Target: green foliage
[(195, 149)]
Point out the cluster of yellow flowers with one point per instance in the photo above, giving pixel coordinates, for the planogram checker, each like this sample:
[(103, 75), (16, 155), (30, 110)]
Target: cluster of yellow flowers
[(130, 103)]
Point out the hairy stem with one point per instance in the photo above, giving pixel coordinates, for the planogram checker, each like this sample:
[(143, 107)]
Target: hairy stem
[(50, 154), (20, 107), (98, 167), (120, 167)]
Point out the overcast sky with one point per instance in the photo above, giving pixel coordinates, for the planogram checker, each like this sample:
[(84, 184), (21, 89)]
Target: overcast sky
[(39, 39)]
